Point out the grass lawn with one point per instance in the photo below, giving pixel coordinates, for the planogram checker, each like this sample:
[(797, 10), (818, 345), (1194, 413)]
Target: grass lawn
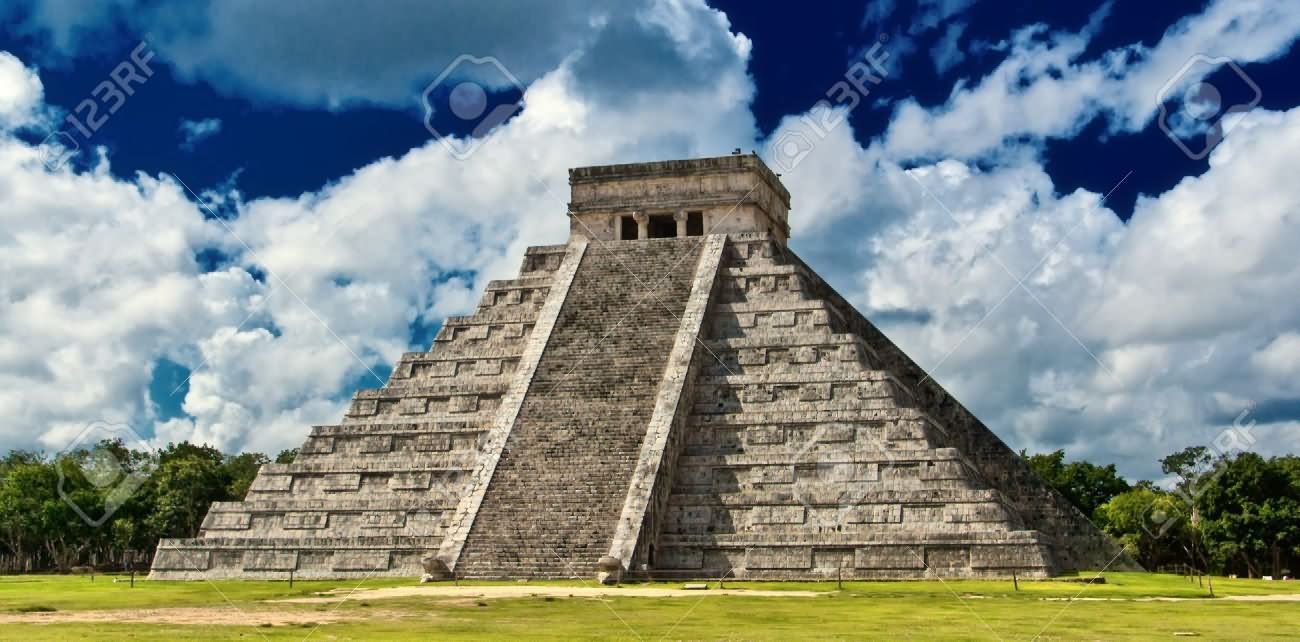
[(60, 607)]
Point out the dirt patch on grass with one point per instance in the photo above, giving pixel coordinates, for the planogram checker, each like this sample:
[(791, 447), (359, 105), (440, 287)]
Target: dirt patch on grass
[(185, 615), (440, 591)]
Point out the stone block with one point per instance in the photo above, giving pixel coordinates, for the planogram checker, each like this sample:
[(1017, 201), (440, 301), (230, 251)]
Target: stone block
[(803, 354), (369, 561), (779, 557), (679, 557), (338, 482), (884, 557), (439, 369), (1008, 556), (692, 515), (412, 406), (318, 446), (815, 392), (383, 519), (403, 480), (297, 521), (947, 557), (761, 515), (751, 356), (781, 319), (227, 521), (363, 407), (835, 433), (172, 559), (756, 435), (923, 514), (783, 474), (272, 483), (874, 514), (263, 560), (377, 444), (829, 559), (437, 442), (462, 403)]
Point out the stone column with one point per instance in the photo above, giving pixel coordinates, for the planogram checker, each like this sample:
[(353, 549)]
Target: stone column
[(680, 217), (642, 225)]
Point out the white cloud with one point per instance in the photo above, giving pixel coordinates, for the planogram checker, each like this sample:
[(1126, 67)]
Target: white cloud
[(21, 94), (194, 132), (1128, 341), (1279, 359), (100, 277), (1044, 90)]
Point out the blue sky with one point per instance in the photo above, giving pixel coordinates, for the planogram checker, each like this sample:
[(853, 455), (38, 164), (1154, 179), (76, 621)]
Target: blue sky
[(1032, 199)]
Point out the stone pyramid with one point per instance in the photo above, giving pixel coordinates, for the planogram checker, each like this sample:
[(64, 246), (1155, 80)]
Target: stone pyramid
[(671, 394)]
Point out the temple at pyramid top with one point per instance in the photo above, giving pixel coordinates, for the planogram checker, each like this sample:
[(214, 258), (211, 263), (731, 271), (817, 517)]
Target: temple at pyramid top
[(667, 199)]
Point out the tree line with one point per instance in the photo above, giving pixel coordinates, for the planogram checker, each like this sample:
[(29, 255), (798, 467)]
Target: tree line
[(1237, 514), (108, 506)]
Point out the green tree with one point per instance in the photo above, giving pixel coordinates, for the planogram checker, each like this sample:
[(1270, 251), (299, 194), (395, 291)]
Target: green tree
[(1151, 524), (184, 486), (1085, 484), (1251, 513), (242, 468), (286, 456)]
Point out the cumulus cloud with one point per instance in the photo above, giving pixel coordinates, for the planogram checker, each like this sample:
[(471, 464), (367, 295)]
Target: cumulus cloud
[(1043, 89), (317, 292), (1060, 325), (21, 93), (1125, 341)]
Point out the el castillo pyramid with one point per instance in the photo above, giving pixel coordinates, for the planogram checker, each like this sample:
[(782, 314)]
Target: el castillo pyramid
[(671, 394)]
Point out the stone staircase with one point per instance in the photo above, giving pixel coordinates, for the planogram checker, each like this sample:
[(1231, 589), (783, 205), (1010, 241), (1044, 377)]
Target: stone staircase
[(560, 483), (371, 494)]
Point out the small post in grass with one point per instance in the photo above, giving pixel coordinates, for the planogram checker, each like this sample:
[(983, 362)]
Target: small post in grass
[(1014, 581), (290, 578)]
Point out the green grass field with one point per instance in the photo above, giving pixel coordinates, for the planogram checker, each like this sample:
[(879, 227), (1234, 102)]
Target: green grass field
[(1124, 608)]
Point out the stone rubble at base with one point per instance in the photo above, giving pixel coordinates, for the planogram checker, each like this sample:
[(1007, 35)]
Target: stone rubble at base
[(648, 401)]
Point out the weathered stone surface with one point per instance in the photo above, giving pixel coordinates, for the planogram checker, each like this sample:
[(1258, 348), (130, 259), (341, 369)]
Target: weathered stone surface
[(702, 405)]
